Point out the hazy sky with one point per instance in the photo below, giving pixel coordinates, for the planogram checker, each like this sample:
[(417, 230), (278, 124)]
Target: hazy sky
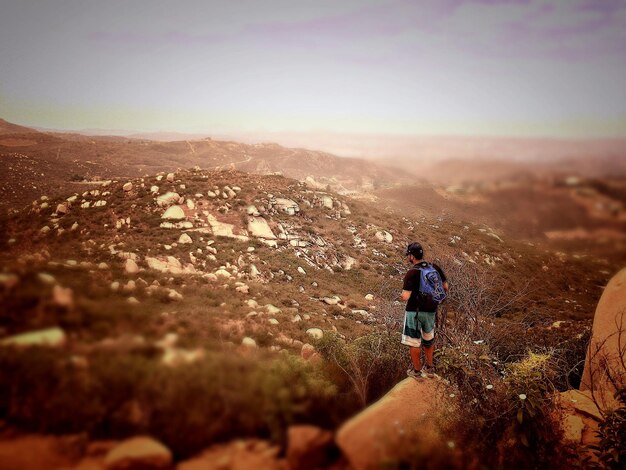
[(481, 67)]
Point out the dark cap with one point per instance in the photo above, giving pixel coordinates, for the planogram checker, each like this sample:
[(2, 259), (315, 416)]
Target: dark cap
[(415, 249)]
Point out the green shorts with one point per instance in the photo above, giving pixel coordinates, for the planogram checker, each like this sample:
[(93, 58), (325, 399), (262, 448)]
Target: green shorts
[(418, 325)]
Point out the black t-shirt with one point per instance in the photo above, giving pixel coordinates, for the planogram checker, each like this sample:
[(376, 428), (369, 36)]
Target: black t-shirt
[(412, 283)]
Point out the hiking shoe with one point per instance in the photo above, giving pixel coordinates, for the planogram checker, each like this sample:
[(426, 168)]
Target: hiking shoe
[(413, 373), (427, 371)]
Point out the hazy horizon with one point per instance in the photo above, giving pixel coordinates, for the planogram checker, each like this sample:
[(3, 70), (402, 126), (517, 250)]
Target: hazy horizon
[(515, 68)]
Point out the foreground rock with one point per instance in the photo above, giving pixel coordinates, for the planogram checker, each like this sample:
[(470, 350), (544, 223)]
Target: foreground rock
[(580, 417), (238, 455), (139, 453), (309, 447), (604, 364), (404, 419)]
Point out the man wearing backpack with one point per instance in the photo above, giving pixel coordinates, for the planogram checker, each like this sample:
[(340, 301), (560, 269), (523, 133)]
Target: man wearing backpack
[(425, 287)]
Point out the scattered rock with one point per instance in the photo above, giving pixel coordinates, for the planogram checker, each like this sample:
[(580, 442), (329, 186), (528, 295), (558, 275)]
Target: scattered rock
[(62, 209), (170, 177), (174, 213), (315, 333), (46, 278), (307, 351), (50, 337), (131, 267), (184, 239), (248, 342), (127, 187), (62, 296), (272, 310), (384, 236)]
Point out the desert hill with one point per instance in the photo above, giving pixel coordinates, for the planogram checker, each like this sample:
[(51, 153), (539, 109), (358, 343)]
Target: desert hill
[(34, 162)]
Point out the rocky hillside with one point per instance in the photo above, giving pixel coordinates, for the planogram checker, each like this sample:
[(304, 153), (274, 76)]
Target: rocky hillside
[(130, 298)]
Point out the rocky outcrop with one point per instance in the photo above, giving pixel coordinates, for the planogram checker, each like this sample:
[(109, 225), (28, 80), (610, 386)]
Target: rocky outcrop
[(605, 355), (405, 415)]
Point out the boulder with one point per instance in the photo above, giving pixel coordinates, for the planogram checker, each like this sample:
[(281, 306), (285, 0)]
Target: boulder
[(128, 187), (167, 199), (62, 209), (259, 228), (309, 447), (174, 213), (50, 337), (604, 359), (406, 414), (327, 202), (138, 453), (170, 177)]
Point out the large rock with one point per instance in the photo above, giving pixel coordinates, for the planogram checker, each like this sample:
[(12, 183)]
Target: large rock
[(237, 455), (140, 452), (308, 447), (50, 337), (603, 364), (174, 213), (167, 199), (259, 228), (406, 414)]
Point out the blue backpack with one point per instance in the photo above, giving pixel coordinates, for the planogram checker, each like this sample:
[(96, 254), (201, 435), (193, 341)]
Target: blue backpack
[(431, 291)]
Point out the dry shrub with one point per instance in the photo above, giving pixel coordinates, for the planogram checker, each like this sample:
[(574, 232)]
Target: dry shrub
[(370, 364), (188, 407)]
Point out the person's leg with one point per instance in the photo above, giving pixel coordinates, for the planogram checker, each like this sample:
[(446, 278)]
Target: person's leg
[(412, 338), (427, 322), (416, 358)]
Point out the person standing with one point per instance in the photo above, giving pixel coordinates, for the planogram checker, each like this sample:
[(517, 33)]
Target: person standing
[(425, 286)]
